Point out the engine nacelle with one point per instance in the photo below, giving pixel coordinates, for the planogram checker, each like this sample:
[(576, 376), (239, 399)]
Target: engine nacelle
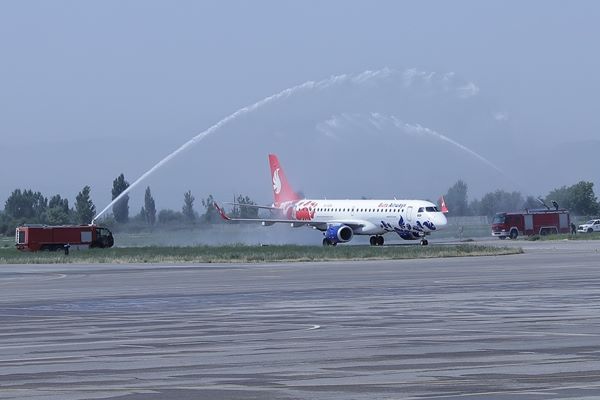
[(339, 233)]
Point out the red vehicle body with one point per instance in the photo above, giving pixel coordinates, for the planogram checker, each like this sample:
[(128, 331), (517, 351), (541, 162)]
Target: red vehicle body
[(531, 222), (52, 238)]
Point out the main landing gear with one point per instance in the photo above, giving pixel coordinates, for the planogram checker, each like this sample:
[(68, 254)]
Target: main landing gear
[(327, 242), (424, 242), (376, 240)]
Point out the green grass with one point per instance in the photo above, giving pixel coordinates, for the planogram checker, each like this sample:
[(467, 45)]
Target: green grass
[(247, 254), (566, 236), (7, 242)]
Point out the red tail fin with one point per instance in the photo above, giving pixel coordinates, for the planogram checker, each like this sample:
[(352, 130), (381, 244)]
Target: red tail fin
[(281, 188), (443, 207), (221, 212)]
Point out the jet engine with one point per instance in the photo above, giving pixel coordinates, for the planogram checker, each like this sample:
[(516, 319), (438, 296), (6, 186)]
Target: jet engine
[(338, 234)]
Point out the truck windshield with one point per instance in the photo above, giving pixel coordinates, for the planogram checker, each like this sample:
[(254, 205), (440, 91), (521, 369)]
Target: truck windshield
[(499, 219), (103, 232)]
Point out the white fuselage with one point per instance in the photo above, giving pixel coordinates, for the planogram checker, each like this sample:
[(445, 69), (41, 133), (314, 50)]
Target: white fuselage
[(374, 217)]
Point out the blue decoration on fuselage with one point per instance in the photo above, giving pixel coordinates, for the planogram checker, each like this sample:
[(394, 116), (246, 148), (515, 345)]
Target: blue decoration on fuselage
[(429, 225)]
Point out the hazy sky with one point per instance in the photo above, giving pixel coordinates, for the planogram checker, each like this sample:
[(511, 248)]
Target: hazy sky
[(90, 89)]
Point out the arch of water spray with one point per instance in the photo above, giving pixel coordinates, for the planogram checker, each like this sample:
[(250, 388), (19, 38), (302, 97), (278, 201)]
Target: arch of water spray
[(408, 77), (382, 122)]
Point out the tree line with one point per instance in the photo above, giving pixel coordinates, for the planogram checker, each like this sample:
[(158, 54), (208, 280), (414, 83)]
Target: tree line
[(29, 207), (579, 199)]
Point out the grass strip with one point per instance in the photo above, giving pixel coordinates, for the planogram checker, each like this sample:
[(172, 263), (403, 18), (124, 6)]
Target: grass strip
[(248, 254), (566, 236)]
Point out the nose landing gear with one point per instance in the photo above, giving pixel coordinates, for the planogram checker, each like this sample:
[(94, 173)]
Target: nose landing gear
[(424, 242)]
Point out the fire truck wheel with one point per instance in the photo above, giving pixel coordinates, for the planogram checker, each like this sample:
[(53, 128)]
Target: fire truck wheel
[(514, 234)]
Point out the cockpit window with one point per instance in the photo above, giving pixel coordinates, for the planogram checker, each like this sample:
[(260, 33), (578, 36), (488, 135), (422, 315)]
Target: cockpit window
[(432, 209), (420, 209)]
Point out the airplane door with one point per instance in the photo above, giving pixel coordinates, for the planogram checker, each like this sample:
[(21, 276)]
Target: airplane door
[(409, 213)]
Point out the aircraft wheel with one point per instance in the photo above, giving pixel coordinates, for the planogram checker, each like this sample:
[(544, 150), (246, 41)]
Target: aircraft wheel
[(424, 242), (373, 240), (380, 240), (326, 242)]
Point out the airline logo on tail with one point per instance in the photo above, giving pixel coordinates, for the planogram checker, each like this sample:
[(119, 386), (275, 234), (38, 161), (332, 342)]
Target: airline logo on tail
[(282, 191), (276, 182), (443, 206)]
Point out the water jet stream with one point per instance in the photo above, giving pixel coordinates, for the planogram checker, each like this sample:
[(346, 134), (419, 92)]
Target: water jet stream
[(382, 122), (408, 77)]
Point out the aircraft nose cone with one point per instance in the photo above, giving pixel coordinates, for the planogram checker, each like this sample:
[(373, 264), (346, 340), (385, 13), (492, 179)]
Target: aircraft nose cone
[(441, 220)]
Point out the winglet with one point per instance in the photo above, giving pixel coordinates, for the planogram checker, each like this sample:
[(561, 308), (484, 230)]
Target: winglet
[(221, 212), (443, 205)]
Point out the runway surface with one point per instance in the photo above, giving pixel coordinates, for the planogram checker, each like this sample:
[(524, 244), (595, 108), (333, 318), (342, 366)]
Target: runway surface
[(524, 326)]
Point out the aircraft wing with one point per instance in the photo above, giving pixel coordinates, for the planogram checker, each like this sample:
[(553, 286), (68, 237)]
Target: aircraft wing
[(321, 225), (254, 206)]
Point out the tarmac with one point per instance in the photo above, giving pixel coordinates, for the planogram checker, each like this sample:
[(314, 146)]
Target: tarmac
[(522, 326)]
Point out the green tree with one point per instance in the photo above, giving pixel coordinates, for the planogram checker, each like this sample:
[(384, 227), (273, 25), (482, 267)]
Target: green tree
[(58, 212), (475, 207), (244, 210), (141, 217), (121, 208), (456, 199), (531, 203), (57, 216), (7, 225), (499, 201), (169, 217), (188, 207), (58, 202), (210, 215), (579, 198), (149, 207), (85, 210), (27, 206)]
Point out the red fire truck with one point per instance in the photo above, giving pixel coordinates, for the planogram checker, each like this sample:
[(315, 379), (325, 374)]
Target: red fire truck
[(52, 238), (531, 222)]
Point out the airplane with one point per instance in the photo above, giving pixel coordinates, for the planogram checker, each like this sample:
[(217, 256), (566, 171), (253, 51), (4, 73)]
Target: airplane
[(340, 220)]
